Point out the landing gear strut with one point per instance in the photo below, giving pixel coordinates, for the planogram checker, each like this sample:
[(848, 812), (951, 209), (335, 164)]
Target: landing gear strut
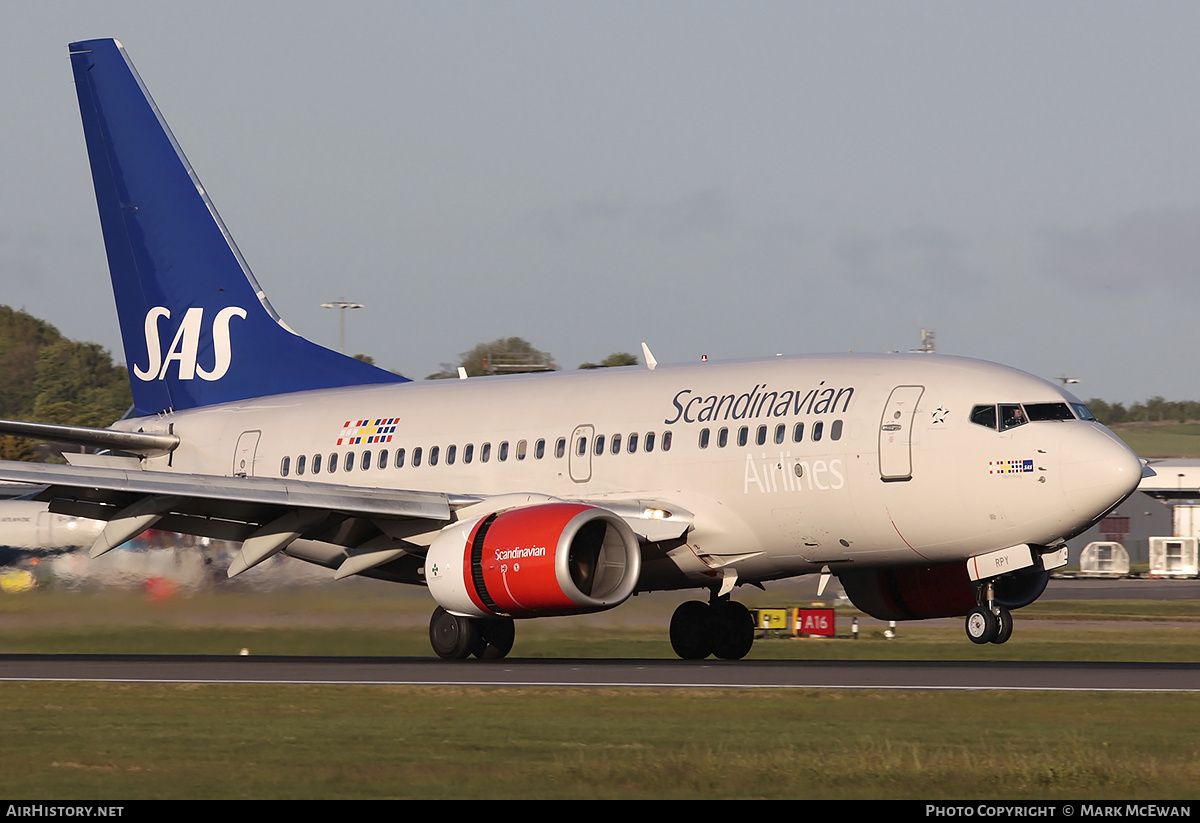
[(989, 622), (455, 637), (723, 629)]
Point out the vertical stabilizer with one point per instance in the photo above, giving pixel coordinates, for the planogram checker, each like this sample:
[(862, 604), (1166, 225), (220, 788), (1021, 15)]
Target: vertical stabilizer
[(196, 327)]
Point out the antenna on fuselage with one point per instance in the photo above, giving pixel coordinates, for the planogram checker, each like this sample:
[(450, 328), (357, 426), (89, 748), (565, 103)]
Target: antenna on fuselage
[(650, 361), (928, 346)]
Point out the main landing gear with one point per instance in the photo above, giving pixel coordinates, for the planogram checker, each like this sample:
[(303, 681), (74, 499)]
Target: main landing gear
[(455, 637), (989, 622), (723, 628)]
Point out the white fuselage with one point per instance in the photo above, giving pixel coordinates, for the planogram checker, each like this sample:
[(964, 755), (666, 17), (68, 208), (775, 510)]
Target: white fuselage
[(869, 460)]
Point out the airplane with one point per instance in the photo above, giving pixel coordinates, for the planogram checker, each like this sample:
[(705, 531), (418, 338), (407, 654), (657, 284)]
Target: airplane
[(929, 485), (29, 530)]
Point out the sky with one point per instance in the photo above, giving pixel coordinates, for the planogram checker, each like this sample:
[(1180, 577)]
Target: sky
[(730, 179)]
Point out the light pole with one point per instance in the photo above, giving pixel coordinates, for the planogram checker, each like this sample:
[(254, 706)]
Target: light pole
[(341, 305)]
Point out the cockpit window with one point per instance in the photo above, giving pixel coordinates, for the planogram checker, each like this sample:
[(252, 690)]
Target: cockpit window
[(984, 416), (1048, 411), (1011, 416), (1082, 412)]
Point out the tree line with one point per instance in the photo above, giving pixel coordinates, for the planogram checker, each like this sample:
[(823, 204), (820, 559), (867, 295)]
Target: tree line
[(513, 355), (50, 379), (1154, 410)]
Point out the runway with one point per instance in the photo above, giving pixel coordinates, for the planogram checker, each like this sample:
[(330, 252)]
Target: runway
[(745, 674)]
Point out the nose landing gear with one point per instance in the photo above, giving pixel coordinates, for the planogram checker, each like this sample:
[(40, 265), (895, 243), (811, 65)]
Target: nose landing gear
[(989, 622)]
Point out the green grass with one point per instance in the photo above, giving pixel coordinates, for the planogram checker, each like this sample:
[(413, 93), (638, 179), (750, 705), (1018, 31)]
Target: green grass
[(116, 742), (1169, 440), (390, 621)]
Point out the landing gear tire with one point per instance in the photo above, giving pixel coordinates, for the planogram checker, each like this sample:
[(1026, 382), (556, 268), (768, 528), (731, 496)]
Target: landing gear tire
[(691, 632), (454, 637), (982, 625), (1004, 628), (497, 636), (732, 630)]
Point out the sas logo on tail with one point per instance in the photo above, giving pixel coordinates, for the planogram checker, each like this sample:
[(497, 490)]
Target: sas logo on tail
[(186, 345)]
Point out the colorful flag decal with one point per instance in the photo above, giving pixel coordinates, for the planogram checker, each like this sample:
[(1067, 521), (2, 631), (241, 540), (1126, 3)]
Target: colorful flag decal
[(1009, 466), (359, 432)]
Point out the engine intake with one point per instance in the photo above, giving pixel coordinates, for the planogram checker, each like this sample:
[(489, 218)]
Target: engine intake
[(549, 559)]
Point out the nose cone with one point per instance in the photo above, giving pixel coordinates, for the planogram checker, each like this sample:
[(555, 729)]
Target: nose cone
[(1098, 470)]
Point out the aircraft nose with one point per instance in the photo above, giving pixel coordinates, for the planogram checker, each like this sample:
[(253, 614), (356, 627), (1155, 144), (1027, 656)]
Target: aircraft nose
[(1098, 470)]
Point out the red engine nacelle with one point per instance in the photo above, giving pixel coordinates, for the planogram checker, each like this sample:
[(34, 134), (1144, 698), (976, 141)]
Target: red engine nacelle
[(549, 559), (923, 592)]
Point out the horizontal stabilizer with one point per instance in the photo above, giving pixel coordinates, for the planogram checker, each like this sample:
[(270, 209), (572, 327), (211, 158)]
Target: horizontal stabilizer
[(147, 445)]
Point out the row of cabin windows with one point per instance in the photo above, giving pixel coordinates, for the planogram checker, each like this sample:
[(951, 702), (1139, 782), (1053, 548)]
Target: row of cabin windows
[(613, 444), (779, 436), (385, 458)]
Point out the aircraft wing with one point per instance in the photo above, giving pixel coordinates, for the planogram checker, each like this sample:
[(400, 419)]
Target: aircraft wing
[(366, 528), (265, 514)]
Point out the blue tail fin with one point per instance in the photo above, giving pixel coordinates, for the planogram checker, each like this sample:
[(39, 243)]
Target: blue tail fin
[(196, 326)]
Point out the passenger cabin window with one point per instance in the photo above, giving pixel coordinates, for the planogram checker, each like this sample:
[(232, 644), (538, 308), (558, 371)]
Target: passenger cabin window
[(539, 448), (283, 467), (316, 464), (722, 438), (451, 453), (560, 447), (666, 441), (434, 451), (349, 464), (468, 452), (300, 464), (816, 430), (522, 447), (399, 458), (649, 441), (416, 457), (835, 431), (615, 448)]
